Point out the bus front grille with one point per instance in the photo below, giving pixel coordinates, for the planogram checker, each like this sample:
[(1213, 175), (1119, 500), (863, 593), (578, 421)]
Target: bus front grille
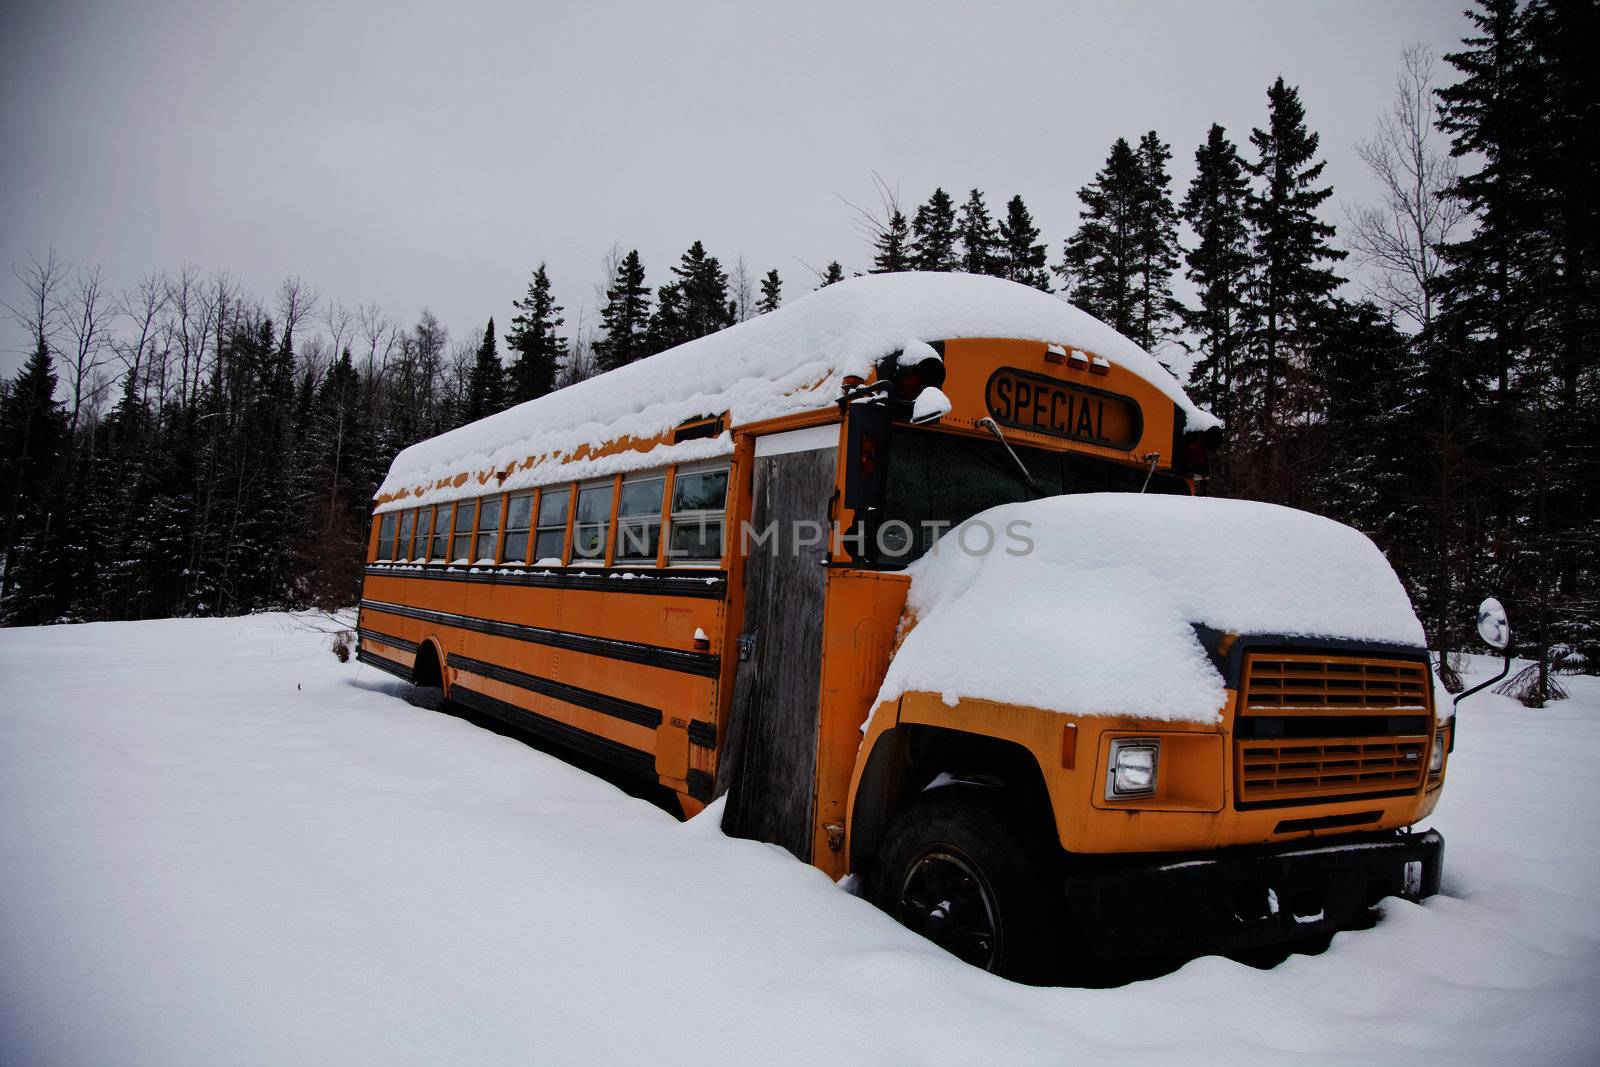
[(1324, 682), (1313, 728), (1273, 772)]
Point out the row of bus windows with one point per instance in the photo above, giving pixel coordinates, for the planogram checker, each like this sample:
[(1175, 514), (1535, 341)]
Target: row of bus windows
[(614, 521)]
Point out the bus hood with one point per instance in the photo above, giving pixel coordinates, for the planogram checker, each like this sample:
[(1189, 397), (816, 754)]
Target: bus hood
[(1088, 604)]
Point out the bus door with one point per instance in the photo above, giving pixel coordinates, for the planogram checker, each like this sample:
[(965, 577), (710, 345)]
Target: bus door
[(769, 761)]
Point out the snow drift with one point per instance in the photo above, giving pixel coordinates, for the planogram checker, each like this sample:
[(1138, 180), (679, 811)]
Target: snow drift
[(1087, 603), (789, 360)]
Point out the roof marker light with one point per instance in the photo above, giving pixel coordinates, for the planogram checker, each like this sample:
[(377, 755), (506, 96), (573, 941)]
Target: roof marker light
[(1055, 354), (1078, 360), (1100, 365)]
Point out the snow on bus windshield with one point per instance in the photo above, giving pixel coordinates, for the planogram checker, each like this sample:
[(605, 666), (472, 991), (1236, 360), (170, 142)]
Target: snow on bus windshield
[(1087, 604), (789, 360)]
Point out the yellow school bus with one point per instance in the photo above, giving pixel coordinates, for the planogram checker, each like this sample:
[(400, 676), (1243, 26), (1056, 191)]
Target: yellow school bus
[(696, 570)]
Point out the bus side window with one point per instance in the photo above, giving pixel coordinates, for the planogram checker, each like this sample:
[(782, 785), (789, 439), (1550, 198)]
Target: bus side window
[(551, 536), (461, 544), (639, 518), (386, 537), (488, 529), (424, 532), (403, 549), (699, 498), (592, 521), (441, 533), (440, 546), (519, 519)]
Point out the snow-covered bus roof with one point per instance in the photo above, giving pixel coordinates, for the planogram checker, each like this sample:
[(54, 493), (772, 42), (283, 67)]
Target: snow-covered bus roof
[(1089, 605), (787, 361)]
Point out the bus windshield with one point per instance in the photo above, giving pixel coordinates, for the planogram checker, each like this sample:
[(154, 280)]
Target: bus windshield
[(938, 480)]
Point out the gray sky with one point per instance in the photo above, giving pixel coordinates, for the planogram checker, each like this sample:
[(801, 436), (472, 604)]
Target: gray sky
[(431, 154)]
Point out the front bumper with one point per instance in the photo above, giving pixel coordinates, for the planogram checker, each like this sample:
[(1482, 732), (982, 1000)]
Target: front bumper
[(1189, 905)]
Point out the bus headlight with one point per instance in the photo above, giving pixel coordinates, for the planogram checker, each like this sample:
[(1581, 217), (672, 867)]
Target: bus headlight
[(1131, 771), (1436, 755)]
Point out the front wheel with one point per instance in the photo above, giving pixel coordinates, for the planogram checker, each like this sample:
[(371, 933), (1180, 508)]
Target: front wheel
[(952, 869)]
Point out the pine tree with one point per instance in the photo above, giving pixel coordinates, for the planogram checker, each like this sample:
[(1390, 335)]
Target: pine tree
[(771, 293), (486, 389), (703, 286), (1218, 267), (1157, 245), (892, 251), (1101, 260), (834, 273), (1485, 113), (978, 236), (933, 244), (1521, 305), (625, 319), (1021, 255), (33, 443), (667, 327), (1291, 244), (534, 339)]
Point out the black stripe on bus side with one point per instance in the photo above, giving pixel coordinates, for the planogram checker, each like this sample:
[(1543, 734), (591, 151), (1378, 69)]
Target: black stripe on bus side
[(383, 663), (711, 585), (387, 639), (702, 733), (623, 757), (672, 659), (700, 784), (616, 707)]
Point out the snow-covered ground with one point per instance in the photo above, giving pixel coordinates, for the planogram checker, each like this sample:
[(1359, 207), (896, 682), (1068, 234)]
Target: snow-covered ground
[(219, 845)]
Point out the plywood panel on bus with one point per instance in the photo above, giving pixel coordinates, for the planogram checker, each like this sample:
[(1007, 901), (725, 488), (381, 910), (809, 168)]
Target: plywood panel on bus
[(772, 742)]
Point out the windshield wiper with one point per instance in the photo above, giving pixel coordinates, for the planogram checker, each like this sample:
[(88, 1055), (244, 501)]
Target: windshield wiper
[(993, 427)]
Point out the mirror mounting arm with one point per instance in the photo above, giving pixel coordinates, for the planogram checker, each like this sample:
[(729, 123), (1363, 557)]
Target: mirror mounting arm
[(1505, 669)]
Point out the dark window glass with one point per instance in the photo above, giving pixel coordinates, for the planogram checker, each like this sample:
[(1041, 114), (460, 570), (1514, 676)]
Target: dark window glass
[(441, 533), (519, 519), (386, 536), (700, 491), (407, 520), (592, 522), (462, 542), (639, 519), (937, 481), (488, 528), (551, 536), (699, 499)]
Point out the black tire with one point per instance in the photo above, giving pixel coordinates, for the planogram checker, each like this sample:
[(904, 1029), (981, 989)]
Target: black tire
[(953, 869)]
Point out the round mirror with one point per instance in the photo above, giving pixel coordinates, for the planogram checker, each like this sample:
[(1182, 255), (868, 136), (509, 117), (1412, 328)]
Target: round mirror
[(1493, 626)]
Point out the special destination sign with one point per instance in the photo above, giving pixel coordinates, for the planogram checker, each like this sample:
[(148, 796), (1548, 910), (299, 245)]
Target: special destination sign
[(1031, 401)]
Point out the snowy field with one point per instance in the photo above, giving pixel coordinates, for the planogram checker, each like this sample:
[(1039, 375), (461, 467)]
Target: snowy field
[(218, 845)]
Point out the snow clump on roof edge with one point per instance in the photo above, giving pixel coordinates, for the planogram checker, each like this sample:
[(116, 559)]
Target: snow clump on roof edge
[(776, 364), (1097, 616)]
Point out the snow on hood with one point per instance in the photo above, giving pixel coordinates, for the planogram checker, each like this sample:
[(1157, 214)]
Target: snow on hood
[(790, 360), (1096, 617)]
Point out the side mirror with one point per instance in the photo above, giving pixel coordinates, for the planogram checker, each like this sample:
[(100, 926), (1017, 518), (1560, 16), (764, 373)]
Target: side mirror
[(1495, 629), (1493, 626), (931, 405)]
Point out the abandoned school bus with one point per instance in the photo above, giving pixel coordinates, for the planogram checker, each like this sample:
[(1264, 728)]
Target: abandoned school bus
[(1121, 719)]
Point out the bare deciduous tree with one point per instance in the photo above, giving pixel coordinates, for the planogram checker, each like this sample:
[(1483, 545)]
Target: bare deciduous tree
[(340, 324), (142, 304), (379, 334), (40, 314), (1398, 240), (742, 287), (89, 315), (297, 301)]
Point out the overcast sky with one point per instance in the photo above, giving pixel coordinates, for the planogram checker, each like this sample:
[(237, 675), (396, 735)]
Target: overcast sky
[(431, 155)]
